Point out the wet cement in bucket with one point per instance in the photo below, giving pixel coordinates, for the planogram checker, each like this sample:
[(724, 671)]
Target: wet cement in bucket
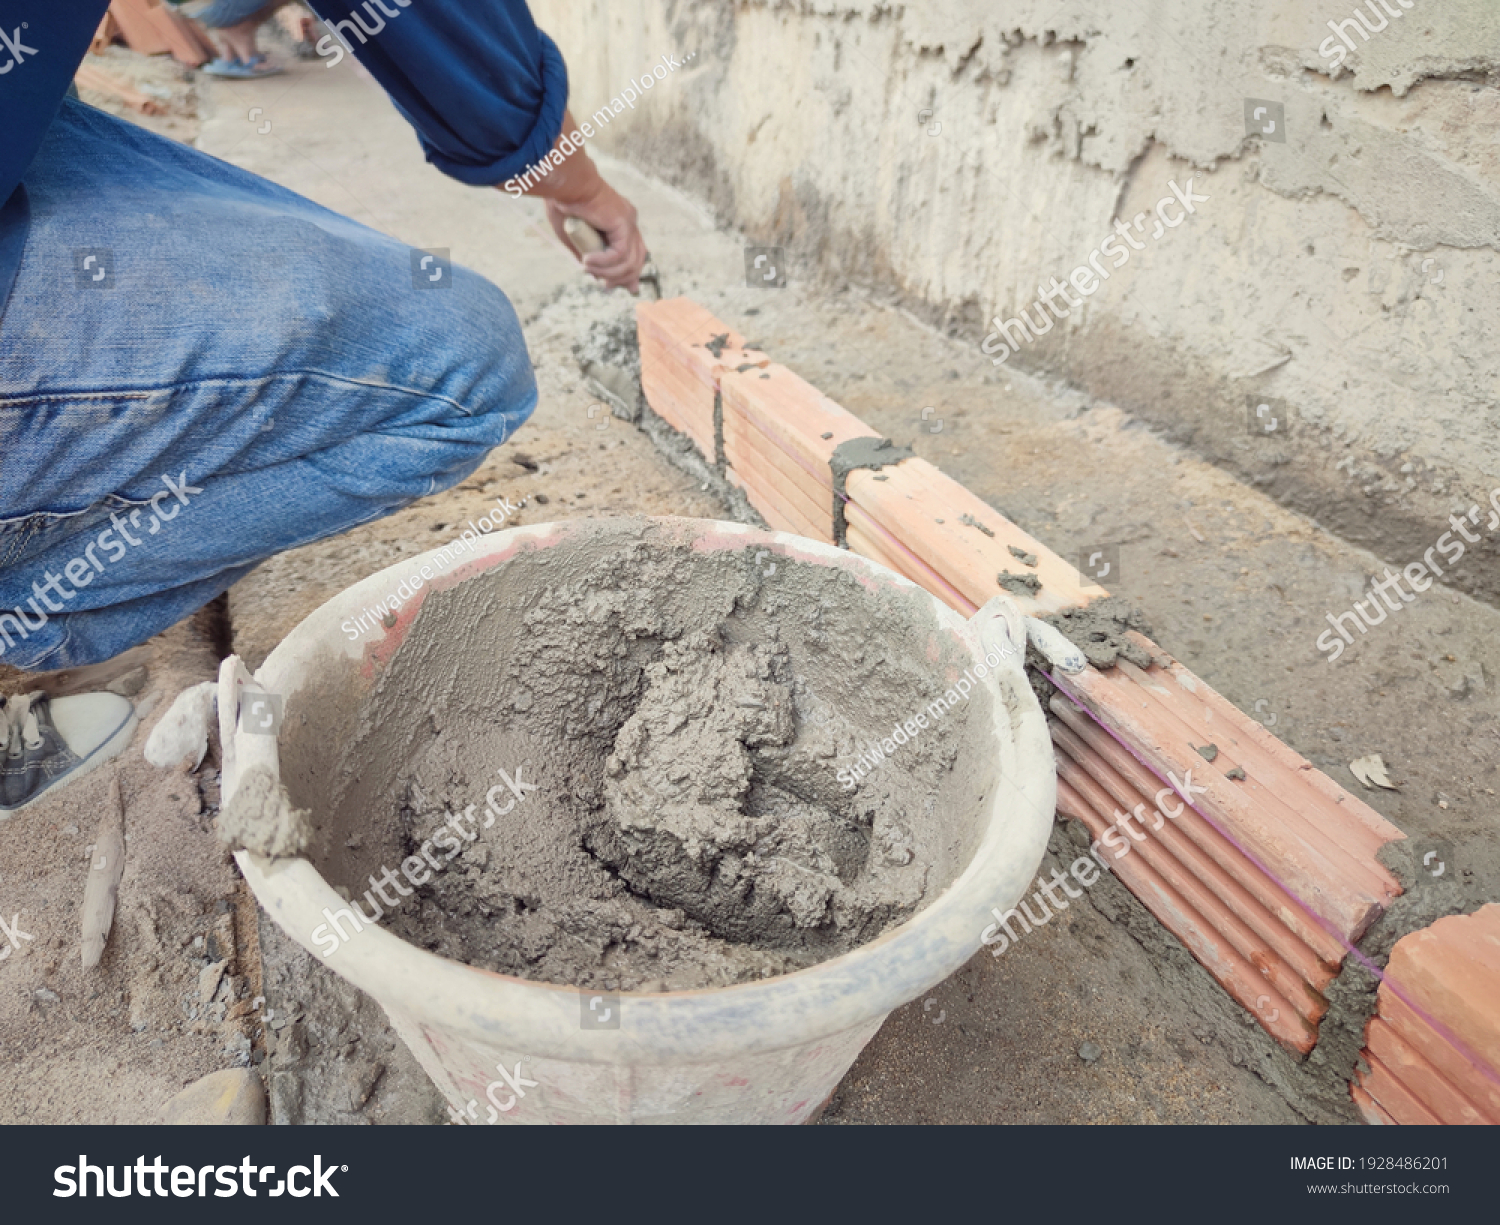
[(676, 721)]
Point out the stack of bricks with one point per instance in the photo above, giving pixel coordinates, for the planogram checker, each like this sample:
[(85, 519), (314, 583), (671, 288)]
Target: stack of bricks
[(91, 78), (150, 27), (1266, 874), (1434, 1042), (774, 436)]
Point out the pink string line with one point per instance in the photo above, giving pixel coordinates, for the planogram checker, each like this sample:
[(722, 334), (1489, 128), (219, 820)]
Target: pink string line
[(1437, 1026)]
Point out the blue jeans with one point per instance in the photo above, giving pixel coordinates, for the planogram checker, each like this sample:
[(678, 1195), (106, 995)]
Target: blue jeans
[(200, 370), (222, 13)]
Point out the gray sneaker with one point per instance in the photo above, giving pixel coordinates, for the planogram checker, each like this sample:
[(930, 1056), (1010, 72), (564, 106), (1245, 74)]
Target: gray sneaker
[(46, 741)]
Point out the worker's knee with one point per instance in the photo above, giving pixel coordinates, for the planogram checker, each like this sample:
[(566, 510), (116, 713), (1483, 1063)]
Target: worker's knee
[(465, 347), (430, 394)]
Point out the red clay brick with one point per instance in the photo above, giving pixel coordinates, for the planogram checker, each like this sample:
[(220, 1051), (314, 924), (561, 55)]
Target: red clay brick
[(96, 79), (764, 473), (1208, 919), (1394, 1097), (1265, 905), (137, 28), (1424, 1081), (772, 507), (679, 374), (1341, 888), (1220, 868), (182, 39), (1293, 765), (1451, 970), (868, 537), (1304, 820), (1246, 743), (1452, 1064), (911, 499), (794, 415), (1278, 1015), (105, 35), (745, 447), (1438, 1057)]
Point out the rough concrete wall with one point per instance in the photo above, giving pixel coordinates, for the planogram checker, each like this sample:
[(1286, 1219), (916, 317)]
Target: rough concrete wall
[(1348, 271)]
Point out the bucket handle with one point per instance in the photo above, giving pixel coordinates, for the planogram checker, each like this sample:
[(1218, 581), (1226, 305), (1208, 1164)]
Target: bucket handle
[(1000, 628), (241, 749), (1030, 781)]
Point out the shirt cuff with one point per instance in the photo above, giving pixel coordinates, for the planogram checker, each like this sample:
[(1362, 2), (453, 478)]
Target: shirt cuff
[(538, 143)]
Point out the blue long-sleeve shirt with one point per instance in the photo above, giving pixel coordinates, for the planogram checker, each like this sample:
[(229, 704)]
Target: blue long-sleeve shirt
[(483, 87)]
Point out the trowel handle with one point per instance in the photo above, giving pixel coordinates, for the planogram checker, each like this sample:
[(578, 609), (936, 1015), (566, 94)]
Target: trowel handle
[(241, 750), (583, 236), (586, 239), (1061, 653)]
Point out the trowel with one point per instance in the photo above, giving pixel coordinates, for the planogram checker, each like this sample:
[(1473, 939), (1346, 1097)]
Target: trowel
[(621, 388), (586, 239)]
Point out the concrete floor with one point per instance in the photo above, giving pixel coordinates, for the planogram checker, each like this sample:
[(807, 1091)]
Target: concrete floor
[(1234, 586)]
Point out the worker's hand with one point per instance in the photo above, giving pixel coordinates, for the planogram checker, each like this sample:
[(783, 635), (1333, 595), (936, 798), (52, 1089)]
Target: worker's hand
[(575, 188), (624, 254)]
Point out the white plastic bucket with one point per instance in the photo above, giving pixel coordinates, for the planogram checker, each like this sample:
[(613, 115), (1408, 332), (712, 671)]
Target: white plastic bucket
[(769, 1051)]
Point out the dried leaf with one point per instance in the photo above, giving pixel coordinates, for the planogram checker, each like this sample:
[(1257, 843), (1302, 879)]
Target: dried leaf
[(1371, 772)]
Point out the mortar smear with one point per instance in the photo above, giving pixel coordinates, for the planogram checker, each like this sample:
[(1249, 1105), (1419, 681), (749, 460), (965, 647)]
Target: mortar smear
[(260, 818), (1098, 629)]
